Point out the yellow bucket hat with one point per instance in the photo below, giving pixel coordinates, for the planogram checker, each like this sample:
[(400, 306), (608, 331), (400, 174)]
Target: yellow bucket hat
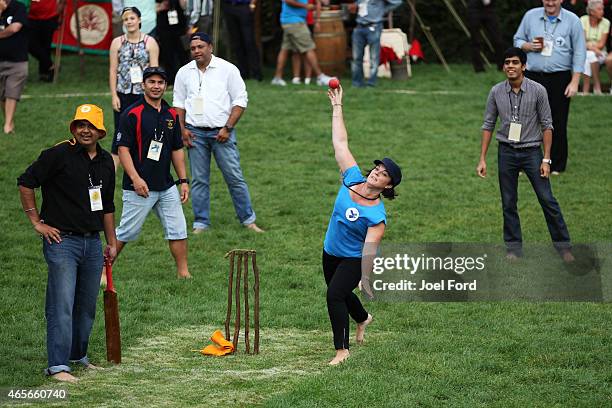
[(91, 113)]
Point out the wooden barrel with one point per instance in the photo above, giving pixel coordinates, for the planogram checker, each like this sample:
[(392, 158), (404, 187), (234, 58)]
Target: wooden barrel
[(331, 43)]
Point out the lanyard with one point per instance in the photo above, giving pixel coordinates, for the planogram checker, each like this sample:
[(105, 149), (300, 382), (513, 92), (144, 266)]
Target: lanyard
[(556, 24), (515, 109), (362, 196), (90, 182), (161, 136)]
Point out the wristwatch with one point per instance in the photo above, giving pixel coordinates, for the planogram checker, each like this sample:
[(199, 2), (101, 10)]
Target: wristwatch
[(547, 161), (229, 129), (181, 181)]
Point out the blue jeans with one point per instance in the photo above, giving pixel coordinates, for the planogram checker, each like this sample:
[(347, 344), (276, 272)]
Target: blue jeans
[(75, 266), (510, 162), (228, 160), (362, 36)]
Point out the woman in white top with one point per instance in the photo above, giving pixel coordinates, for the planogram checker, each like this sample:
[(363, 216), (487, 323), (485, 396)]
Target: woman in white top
[(130, 54), (596, 30)]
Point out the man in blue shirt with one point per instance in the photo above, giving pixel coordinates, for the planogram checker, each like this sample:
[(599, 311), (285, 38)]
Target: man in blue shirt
[(370, 14), (297, 37), (554, 42)]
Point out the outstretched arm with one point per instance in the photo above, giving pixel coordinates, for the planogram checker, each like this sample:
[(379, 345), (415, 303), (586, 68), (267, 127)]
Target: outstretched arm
[(344, 157)]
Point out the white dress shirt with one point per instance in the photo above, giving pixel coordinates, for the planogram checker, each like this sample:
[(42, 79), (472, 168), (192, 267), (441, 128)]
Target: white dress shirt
[(220, 86)]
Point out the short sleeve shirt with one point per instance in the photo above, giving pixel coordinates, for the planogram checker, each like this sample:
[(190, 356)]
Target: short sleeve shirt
[(350, 221), (139, 126), (594, 34), (15, 47)]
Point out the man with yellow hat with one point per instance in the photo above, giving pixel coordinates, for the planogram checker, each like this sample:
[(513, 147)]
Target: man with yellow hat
[(77, 180)]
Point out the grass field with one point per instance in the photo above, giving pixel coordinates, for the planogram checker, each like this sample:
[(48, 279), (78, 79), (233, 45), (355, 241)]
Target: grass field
[(416, 354)]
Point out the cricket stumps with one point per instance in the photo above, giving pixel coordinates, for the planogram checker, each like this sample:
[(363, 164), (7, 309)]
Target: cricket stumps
[(239, 262)]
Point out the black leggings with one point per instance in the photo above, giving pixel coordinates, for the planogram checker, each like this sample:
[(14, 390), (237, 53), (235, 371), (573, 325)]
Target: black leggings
[(342, 275)]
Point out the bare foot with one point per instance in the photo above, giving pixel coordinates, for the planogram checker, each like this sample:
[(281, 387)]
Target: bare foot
[(361, 329), (8, 129), (253, 227), (65, 377), (341, 355), (184, 275), (93, 367), (567, 256)]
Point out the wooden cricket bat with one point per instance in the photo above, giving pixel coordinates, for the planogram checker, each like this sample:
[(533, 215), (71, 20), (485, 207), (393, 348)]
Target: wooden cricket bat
[(111, 319)]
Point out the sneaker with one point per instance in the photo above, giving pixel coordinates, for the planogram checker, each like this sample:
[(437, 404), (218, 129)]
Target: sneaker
[(199, 230), (307, 81), (278, 82), (296, 81), (555, 173), (323, 80)]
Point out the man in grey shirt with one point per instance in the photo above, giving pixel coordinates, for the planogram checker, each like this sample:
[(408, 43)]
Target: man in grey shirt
[(525, 122)]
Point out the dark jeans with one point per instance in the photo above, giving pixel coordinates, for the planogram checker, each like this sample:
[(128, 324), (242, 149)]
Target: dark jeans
[(484, 18), (40, 34), (342, 276), (241, 26), (555, 84), (510, 162), (75, 266)]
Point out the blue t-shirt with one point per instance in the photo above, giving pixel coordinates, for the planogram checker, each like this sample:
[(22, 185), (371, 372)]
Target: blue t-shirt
[(293, 15), (350, 221)]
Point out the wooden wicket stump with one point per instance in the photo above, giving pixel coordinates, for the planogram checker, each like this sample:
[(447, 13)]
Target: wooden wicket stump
[(239, 262)]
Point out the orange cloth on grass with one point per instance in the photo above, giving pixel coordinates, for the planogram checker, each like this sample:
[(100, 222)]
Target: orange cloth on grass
[(221, 346)]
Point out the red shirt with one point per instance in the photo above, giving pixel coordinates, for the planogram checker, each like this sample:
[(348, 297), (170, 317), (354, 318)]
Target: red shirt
[(310, 15), (43, 9)]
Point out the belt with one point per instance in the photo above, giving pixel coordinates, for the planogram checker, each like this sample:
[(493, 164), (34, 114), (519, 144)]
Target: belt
[(368, 24), (519, 147), (209, 129), (548, 74), (80, 234)]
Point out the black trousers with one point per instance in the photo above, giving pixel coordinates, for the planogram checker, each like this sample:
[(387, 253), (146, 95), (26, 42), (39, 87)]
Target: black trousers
[(484, 18), (126, 100), (342, 275), (172, 55), (40, 34), (555, 84), (241, 26)]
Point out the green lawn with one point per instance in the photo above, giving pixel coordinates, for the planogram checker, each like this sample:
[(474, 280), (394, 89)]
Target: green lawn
[(416, 354)]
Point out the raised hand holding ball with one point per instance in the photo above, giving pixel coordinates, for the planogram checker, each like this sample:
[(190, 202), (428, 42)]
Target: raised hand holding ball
[(334, 83)]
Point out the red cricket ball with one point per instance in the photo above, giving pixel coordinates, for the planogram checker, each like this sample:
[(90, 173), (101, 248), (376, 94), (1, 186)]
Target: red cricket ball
[(334, 83)]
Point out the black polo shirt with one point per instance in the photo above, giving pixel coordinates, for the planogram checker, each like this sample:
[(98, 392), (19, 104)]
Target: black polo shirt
[(15, 47), (63, 173), (138, 126)]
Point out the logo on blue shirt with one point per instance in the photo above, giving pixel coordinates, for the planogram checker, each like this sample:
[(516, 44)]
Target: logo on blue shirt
[(352, 214)]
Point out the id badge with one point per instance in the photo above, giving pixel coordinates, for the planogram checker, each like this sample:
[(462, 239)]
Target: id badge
[(547, 50), (95, 198), (363, 8), (155, 150), (198, 105), (135, 74), (515, 132), (173, 17)]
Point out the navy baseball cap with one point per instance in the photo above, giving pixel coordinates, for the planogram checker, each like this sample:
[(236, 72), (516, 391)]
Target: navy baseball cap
[(200, 35), (150, 71), (392, 168), (132, 9)]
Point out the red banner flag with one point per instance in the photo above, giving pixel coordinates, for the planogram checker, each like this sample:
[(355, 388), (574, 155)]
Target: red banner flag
[(96, 26)]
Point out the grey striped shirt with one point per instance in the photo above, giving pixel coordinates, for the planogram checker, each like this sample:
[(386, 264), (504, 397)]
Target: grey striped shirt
[(533, 112)]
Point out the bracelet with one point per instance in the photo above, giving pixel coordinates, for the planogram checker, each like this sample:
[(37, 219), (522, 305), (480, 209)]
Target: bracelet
[(29, 209)]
